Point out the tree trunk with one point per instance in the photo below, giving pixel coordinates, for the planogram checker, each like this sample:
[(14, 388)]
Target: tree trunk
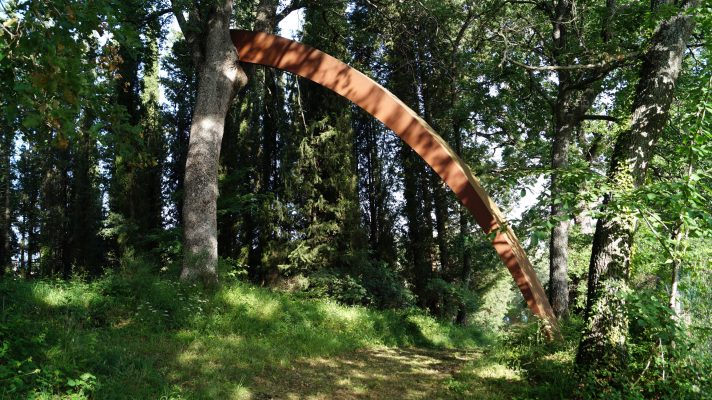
[(219, 78), (466, 276), (603, 345), (576, 93), (559, 243), (266, 21), (6, 147)]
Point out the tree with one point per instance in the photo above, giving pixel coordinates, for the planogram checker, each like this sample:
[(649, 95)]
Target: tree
[(322, 178), (29, 182), (574, 40), (603, 345), (137, 143), (6, 196), (207, 31)]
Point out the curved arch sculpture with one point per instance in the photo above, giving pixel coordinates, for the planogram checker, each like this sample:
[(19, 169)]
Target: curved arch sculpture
[(319, 67)]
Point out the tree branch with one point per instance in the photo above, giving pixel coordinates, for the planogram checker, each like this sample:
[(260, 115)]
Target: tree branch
[(157, 14), (604, 65), (189, 29), (601, 118), (294, 5)]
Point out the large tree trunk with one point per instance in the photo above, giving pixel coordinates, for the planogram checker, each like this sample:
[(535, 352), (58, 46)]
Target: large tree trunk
[(219, 78), (603, 345)]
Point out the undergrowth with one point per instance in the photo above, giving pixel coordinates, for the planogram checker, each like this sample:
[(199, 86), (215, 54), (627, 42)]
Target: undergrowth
[(137, 335)]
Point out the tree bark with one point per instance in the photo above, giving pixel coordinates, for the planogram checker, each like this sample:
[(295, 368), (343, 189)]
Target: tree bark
[(603, 345), (559, 242), (576, 93), (219, 78)]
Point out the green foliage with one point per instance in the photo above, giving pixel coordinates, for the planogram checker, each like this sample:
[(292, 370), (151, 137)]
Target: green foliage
[(318, 198), (667, 359), (23, 370), (371, 284), (521, 364), (342, 288)]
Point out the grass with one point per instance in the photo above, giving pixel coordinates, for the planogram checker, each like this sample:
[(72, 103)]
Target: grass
[(522, 365), (135, 335)]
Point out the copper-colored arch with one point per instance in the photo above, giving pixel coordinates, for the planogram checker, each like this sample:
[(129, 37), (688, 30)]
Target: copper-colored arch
[(288, 55)]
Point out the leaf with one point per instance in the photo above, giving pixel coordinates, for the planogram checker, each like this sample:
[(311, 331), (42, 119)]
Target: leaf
[(32, 121), (87, 376), (535, 240), (10, 22)]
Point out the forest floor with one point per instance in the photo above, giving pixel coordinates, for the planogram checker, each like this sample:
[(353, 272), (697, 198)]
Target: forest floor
[(139, 335), (392, 373), (374, 373)]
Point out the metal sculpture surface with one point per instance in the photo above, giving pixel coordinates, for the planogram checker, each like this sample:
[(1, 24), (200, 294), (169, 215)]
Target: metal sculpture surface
[(288, 55)]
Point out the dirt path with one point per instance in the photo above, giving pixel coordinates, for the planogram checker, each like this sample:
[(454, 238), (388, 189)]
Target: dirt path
[(381, 373)]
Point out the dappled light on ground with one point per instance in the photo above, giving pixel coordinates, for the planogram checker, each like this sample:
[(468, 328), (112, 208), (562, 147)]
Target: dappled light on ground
[(378, 373), (143, 336)]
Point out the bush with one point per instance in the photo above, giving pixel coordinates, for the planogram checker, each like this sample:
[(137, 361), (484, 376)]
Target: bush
[(386, 287), (666, 359), (340, 287)]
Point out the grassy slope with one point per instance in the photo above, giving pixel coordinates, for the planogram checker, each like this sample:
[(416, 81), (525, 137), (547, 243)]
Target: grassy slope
[(145, 337)]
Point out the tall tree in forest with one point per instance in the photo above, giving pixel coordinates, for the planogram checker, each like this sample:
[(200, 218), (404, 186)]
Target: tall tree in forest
[(54, 200), (417, 208), (248, 160), (179, 88), (322, 178), (207, 31), (575, 42), (85, 208), (85, 200), (29, 181), (270, 107), (603, 345), (372, 144), (137, 143), (7, 147)]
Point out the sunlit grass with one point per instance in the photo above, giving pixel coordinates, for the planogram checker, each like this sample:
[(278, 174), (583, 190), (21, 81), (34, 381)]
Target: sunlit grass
[(149, 337)]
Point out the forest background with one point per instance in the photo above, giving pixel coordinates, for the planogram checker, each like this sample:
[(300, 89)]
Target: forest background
[(587, 121)]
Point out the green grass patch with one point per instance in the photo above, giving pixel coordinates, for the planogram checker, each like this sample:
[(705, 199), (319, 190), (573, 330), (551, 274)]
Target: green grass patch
[(135, 335)]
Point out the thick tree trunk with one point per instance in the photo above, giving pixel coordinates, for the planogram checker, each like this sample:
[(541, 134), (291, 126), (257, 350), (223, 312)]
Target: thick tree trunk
[(570, 108), (219, 78), (603, 345)]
